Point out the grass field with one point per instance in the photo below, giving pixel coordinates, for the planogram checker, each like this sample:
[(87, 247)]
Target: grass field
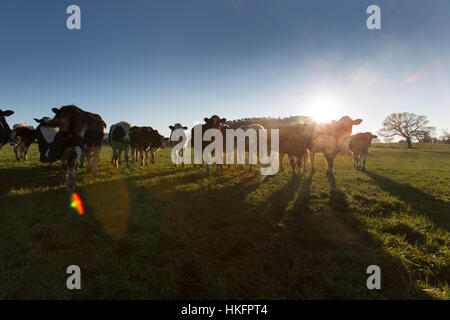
[(167, 233)]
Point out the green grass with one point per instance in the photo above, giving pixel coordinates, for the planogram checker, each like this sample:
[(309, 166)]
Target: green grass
[(167, 233)]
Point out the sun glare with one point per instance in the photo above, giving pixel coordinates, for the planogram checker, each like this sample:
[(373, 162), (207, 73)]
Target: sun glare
[(324, 108)]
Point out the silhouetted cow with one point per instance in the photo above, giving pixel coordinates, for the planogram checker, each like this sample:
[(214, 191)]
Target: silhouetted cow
[(5, 130), (184, 136), (119, 139), (210, 123), (22, 135), (330, 139), (359, 146)]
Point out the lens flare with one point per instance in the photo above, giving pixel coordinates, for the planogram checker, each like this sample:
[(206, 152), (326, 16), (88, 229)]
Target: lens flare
[(76, 203)]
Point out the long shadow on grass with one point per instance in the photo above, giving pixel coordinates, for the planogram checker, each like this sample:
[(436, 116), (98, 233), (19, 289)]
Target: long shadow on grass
[(421, 202), (28, 177), (325, 253)]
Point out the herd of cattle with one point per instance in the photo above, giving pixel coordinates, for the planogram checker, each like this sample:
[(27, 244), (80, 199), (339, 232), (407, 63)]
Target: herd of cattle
[(74, 136)]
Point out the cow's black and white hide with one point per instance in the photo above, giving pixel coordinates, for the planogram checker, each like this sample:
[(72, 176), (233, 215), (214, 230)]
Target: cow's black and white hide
[(22, 135), (83, 129), (184, 137), (146, 141), (5, 130), (210, 123), (54, 145), (119, 139)]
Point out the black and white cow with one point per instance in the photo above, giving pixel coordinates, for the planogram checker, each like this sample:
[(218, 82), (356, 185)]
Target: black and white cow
[(22, 135), (210, 123), (133, 143), (146, 140), (184, 136), (5, 130), (82, 129), (52, 146), (119, 139)]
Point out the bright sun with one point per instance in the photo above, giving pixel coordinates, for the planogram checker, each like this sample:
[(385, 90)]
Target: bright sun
[(324, 108)]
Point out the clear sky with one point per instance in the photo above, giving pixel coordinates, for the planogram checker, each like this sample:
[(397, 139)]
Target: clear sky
[(160, 62)]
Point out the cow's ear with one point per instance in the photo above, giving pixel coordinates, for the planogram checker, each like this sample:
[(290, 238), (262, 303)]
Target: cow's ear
[(206, 119), (7, 113), (171, 127), (185, 128), (357, 121), (37, 120), (55, 110), (374, 136), (223, 120)]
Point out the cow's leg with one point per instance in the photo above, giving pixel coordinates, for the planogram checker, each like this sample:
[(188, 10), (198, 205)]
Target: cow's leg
[(82, 158), (141, 152), (281, 155), (305, 159), (364, 157), (153, 153), (330, 160), (21, 149), (71, 181), (207, 170), (127, 148), (25, 153), (96, 156), (312, 155), (293, 164), (146, 157), (16, 152), (355, 160), (119, 157), (64, 171)]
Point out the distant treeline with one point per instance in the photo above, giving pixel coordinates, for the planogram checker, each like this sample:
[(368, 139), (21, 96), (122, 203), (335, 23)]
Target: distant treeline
[(268, 122)]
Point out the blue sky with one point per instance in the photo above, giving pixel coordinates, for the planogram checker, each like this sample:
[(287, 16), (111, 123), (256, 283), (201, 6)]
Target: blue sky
[(160, 62)]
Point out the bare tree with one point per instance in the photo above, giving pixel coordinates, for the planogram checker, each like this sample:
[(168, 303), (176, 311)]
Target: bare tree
[(445, 138), (407, 125)]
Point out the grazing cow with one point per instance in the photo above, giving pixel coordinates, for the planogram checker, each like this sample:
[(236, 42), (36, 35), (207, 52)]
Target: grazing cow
[(147, 140), (119, 139), (210, 123), (184, 137), (359, 145), (22, 136), (5, 130), (294, 141), (81, 129), (330, 139)]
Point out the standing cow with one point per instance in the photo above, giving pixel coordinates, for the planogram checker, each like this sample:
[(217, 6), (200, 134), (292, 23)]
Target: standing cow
[(5, 130), (22, 136), (53, 146), (330, 139), (184, 137), (294, 141), (359, 147), (146, 140), (210, 123), (119, 139), (82, 129)]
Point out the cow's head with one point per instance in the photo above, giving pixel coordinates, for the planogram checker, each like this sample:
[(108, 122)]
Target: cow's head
[(369, 136), (121, 133), (5, 131), (342, 130), (3, 123), (178, 126), (45, 136), (158, 140), (214, 122)]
